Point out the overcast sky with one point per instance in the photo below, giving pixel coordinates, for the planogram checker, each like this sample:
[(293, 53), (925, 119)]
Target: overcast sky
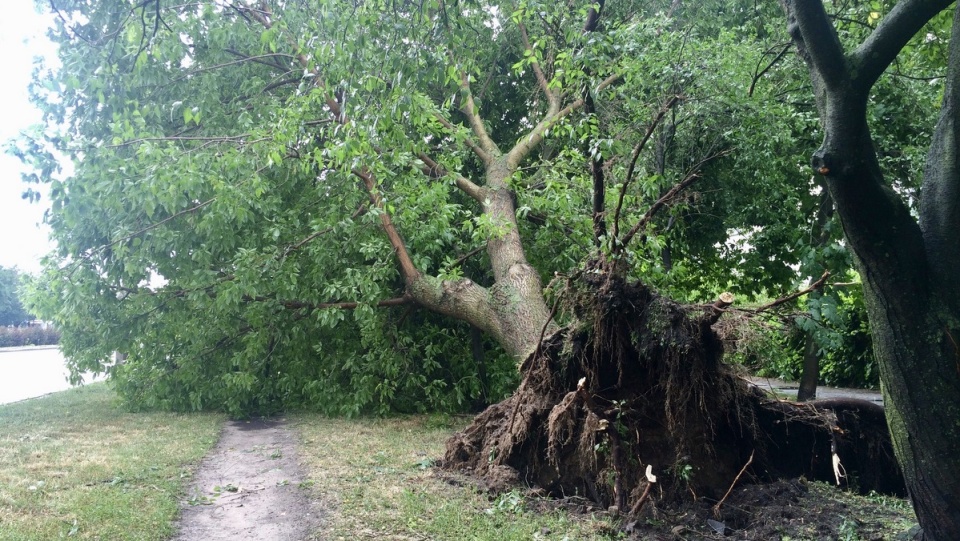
[(23, 240)]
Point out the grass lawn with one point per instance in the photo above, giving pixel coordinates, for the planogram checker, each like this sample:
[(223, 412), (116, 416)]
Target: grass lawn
[(376, 477), (74, 465)]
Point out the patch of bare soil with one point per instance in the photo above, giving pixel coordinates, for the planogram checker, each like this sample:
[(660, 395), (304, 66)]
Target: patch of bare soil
[(251, 487), (780, 510)]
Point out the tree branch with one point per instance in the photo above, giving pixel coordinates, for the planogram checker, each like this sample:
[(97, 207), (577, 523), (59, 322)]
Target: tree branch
[(528, 142), (434, 170), (808, 23), (409, 270), (237, 139), (471, 144), (240, 61), (469, 108), (660, 203), (300, 305), (262, 16), (797, 294), (294, 247), (101, 248), (636, 155), (552, 99), (463, 259), (883, 45), (758, 73), (692, 176)]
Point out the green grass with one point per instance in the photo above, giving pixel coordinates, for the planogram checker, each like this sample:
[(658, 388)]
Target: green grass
[(74, 465), (376, 477)]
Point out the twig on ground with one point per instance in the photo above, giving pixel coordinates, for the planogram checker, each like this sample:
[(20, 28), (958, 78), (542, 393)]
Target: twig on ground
[(716, 508)]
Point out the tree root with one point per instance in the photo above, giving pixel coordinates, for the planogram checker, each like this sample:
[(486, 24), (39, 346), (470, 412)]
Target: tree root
[(635, 390)]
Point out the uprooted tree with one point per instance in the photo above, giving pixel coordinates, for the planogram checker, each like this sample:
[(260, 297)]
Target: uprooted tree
[(262, 194), (245, 173)]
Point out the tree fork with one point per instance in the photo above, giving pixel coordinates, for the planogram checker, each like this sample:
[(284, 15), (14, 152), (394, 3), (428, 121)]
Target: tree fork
[(909, 297)]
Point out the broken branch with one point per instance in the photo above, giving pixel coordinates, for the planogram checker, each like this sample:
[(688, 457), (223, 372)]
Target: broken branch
[(783, 300)]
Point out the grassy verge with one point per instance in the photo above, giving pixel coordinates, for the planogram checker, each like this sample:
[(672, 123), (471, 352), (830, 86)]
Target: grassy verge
[(74, 465), (375, 476)]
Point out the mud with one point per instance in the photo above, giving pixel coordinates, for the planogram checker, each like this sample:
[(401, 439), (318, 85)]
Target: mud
[(251, 487)]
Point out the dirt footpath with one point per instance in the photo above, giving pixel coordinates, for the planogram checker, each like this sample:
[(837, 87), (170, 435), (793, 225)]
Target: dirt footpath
[(250, 487)]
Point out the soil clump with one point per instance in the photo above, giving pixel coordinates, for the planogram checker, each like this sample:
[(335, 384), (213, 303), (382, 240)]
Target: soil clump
[(631, 407)]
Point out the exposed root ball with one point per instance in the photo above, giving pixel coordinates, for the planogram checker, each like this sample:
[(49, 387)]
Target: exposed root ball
[(638, 383)]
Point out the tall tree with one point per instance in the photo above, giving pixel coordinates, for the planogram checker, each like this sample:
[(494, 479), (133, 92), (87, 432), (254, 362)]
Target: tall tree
[(909, 266), (267, 166), (11, 308)]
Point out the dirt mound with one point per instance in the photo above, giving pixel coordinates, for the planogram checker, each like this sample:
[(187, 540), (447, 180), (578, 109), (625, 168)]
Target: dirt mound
[(632, 404)]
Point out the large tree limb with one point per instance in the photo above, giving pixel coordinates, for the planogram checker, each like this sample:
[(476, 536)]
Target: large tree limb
[(409, 270), (470, 110), (535, 136), (876, 221), (807, 21), (940, 204)]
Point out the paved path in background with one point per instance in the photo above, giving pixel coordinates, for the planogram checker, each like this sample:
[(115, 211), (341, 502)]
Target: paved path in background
[(789, 388), (249, 489), (29, 372)]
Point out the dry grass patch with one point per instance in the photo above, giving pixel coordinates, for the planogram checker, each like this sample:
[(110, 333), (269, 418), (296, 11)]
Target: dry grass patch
[(75, 465), (376, 475)]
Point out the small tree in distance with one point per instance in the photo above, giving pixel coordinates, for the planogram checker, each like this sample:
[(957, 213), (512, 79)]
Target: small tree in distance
[(12, 311)]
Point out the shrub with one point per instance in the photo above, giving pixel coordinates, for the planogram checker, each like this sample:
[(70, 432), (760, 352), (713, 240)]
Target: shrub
[(28, 336)]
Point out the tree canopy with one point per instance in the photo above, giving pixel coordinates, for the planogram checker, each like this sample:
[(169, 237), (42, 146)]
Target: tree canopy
[(12, 311), (267, 196)]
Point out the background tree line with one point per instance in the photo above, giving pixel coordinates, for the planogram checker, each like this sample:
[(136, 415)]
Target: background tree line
[(16, 328)]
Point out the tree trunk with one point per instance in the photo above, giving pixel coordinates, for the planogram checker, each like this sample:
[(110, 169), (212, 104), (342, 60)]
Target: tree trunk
[(513, 310), (811, 369), (909, 270)]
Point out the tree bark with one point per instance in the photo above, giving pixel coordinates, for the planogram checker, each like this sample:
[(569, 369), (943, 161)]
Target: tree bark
[(909, 272), (811, 369)]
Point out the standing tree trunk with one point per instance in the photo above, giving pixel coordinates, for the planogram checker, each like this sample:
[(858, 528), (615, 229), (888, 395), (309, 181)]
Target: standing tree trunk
[(911, 283), (811, 369)]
